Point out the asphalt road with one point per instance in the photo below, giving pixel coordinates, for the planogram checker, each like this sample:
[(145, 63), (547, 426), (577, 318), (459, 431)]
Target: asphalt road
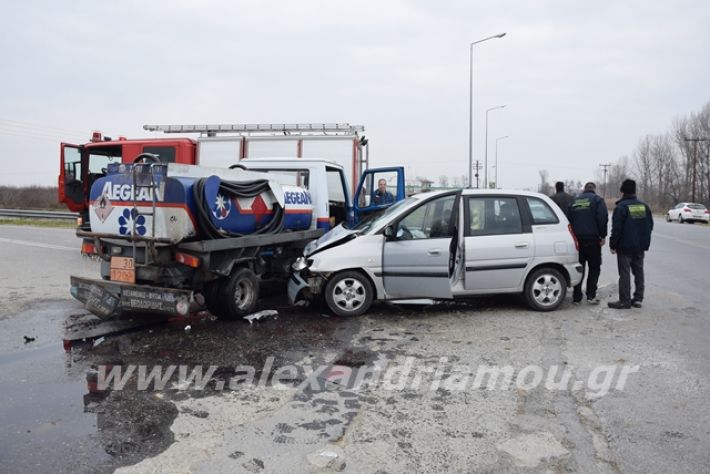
[(657, 422)]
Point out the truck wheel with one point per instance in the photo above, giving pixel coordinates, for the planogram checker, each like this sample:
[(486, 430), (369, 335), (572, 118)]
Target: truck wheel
[(239, 294), (349, 294), (212, 293), (545, 289)]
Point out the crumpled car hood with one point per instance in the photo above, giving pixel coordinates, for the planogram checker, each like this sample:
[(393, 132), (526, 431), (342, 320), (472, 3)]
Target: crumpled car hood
[(336, 236)]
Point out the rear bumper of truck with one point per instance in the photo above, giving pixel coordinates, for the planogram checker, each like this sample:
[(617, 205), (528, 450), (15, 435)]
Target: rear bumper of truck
[(110, 299)]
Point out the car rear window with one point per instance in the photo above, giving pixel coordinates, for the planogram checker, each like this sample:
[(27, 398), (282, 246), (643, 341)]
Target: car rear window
[(696, 206), (541, 212), (494, 216)]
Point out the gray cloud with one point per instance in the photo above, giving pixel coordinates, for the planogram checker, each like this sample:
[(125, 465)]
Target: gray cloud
[(581, 80)]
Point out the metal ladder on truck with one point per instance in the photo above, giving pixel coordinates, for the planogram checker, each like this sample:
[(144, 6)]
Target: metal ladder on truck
[(144, 177), (359, 160)]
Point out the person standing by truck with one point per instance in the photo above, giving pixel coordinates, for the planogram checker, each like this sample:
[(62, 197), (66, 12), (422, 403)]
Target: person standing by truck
[(589, 217), (631, 227), (562, 198), (381, 195)]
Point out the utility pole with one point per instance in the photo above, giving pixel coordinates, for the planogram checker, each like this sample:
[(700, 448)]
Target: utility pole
[(477, 167), (606, 167), (694, 176)]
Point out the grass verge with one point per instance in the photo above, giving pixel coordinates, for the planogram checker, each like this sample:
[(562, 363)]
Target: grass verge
[(65, 224)]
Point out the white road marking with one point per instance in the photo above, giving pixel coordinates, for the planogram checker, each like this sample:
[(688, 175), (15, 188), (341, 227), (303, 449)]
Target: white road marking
[(38, 244), (687, 242)]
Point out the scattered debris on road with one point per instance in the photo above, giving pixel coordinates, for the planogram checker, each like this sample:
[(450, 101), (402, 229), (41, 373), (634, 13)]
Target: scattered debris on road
[(259, 315)]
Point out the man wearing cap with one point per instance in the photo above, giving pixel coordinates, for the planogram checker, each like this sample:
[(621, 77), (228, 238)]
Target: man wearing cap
[(631, 226), (589, 217)]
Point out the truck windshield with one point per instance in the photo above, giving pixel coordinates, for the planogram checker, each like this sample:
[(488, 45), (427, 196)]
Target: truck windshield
[(99, 157)]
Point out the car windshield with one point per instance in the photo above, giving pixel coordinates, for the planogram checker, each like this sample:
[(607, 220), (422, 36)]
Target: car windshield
[(375, 222)]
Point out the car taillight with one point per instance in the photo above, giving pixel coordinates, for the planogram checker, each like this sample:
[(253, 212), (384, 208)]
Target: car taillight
[(707, 212), (574, 237), (88, 248), (686, 209), (187, 259)]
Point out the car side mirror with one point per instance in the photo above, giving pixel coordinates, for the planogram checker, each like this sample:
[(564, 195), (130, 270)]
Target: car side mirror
[(389, 232)]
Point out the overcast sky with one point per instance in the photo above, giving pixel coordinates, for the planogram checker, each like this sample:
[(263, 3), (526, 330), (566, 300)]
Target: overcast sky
[(582, 81)]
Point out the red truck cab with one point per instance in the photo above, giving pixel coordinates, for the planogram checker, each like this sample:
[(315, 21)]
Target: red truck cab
[(81, 165)]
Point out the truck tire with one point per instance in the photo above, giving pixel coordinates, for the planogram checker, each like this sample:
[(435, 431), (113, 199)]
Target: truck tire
[(212, 292), (239, 294), (349, 294), (545, 289)]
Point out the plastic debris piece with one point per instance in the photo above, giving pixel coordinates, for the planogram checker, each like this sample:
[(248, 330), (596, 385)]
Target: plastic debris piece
[(99, 341), (188, 328), (261, 314)]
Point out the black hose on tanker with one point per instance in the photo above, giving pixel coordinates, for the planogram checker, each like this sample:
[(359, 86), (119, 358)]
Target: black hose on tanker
[(248, 189)]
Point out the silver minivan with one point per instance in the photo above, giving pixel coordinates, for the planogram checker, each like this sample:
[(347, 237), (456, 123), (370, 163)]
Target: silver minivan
[(443, 245)]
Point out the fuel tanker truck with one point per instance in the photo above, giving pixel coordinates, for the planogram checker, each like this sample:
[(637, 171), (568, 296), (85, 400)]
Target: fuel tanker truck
[(172, 236)]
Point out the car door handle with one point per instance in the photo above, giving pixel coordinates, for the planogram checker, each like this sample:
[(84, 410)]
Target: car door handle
[(433, 252), (522, 245)]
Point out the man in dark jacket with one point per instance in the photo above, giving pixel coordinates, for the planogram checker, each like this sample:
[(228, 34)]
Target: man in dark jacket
[(631, 226), (561, 198), (589, 217)]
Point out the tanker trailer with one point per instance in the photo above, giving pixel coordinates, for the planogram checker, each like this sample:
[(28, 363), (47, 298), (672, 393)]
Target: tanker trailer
[(167, 233)]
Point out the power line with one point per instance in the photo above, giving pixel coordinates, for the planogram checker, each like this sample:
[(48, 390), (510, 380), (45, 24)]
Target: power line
[(38, 135), (36, 126)]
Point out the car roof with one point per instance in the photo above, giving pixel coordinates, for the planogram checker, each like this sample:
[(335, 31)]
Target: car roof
[(479, 192)]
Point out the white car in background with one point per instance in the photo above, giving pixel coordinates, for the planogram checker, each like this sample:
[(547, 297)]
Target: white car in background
[(688, 212), (443, 245)]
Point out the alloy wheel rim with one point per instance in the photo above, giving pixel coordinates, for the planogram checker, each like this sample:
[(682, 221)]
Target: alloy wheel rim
[(547, 290), (349, 294)]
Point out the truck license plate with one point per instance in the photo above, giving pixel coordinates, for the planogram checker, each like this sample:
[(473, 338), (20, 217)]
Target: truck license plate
[(123, 269)]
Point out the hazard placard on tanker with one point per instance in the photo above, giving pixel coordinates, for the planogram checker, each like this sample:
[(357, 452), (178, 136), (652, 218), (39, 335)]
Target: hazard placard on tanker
[(123, 269)]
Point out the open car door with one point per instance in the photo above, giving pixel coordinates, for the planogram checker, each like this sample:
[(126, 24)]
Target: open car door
[(71, 187), (378, 189), (416, 257)]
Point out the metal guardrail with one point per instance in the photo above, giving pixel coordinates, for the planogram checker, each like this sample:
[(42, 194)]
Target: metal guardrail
[(34, 214)]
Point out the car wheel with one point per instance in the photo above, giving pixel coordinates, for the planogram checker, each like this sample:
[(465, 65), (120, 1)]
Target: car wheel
[(239, 294), (349, 294), (545, 289), (668, 217), (680, 219)]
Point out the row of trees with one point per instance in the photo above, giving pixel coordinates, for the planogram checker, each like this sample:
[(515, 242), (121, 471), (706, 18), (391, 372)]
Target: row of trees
[(668, 168), (674, 166), (29, 197)]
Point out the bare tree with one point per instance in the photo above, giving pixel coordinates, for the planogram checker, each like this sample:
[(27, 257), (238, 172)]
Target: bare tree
[(544, 187), (642, 164)]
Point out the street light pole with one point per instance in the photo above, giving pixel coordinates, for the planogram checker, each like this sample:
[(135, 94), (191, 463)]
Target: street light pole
[(470, 106), (497, 140), (485, 160)]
